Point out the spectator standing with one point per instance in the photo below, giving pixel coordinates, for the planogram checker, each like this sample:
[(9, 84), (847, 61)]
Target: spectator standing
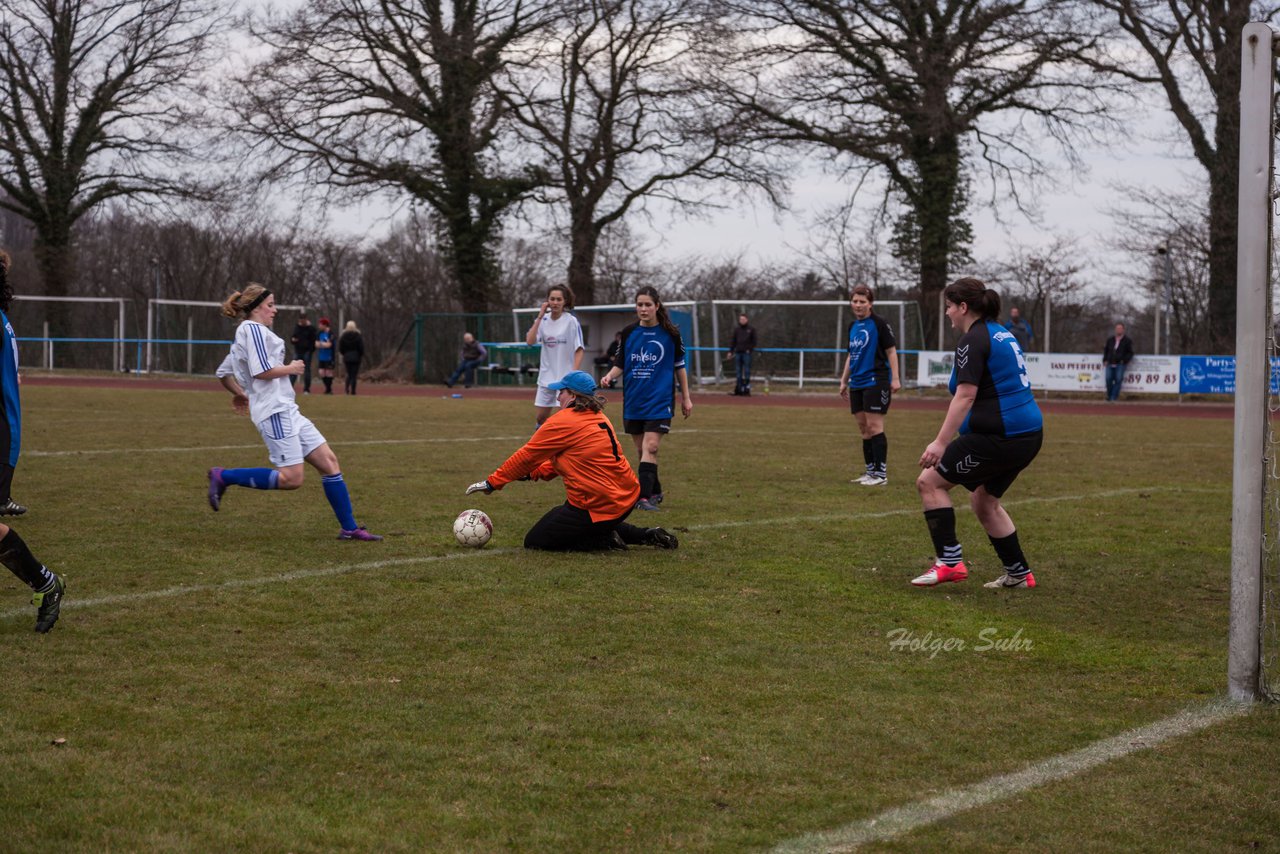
[(1116, 356), (471, 356), (741, 346), (324, 354), (304, 348), (351, 346), (1021, 329)]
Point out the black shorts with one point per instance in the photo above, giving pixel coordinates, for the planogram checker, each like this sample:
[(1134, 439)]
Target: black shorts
[(994, 462), (636, 427), (874, 398)]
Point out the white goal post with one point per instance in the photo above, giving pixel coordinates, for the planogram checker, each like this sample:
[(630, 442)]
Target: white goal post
[(1250, 541)]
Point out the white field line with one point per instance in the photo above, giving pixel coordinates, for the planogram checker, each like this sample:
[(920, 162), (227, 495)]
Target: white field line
[(304, 574), (902, 820), (324, 572), (962, 505), (240, 583), (258, 445), (85, 452)]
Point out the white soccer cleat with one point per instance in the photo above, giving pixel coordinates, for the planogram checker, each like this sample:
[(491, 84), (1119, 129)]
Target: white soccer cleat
[(1008, 582)]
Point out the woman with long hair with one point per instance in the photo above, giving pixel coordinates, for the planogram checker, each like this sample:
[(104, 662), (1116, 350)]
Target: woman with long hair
[(578, 445), (1000, 432), (258, 378), (46, 587), (651, 361), (351, 346), (868, 381), (560, 334)]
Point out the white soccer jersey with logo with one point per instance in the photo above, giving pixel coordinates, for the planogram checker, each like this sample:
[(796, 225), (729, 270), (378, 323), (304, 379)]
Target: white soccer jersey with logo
[(257, 349), (560, 339)]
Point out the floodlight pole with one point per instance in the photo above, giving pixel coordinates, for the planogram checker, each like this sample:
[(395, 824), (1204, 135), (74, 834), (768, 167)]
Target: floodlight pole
[(1244, 644)]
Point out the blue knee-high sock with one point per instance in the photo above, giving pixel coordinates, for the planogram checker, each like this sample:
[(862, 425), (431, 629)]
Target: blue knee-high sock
[(252, 478), (335, 489)]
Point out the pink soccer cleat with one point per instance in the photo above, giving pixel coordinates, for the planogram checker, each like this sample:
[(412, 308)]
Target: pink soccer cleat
[(940, 573)]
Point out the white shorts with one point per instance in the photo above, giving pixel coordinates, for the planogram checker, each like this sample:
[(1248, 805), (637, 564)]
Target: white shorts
[(290, 437), (546, 397)]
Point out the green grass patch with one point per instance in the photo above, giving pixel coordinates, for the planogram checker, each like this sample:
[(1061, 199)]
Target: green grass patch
[(242, 681)]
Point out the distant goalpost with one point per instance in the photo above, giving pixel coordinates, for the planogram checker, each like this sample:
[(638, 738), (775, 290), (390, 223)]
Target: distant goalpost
[(1253, 671)]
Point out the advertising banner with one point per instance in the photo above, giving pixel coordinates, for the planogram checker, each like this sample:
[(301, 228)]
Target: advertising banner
[(1208, 375), (1069, 372), (1217, 375)]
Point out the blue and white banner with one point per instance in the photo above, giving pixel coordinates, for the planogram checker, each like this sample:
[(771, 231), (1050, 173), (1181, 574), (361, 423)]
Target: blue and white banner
[(1217, 375)]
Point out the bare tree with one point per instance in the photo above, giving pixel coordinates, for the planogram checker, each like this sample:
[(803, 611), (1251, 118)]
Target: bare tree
[(620, 108), (363, 96), (94, 107), (1194, 47), (921, 90), (846, 252), (1177, 222)]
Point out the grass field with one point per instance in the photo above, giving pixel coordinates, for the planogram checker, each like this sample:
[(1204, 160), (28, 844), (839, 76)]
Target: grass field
[(242, 681)]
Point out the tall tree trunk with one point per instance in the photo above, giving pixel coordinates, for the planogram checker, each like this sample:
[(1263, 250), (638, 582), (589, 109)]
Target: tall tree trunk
[(583, 240), (54, 251), (1224, 189), (473, 266), (939, 169)]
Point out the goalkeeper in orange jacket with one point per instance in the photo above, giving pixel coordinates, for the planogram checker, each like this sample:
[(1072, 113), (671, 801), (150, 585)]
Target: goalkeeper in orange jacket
[(577, 443)]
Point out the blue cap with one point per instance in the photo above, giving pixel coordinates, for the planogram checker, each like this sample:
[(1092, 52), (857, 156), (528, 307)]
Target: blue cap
[(575, 381)]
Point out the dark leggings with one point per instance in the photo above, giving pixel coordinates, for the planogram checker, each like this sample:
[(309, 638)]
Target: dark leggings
[(567, 528), (353, 371)]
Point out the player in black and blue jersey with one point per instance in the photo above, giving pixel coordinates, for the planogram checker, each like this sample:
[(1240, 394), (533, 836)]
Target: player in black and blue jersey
[(46, 587), (651, 361), (1000, 429), (868, 381)]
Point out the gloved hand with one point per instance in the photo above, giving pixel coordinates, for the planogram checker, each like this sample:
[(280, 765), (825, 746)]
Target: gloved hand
[(482, 486)]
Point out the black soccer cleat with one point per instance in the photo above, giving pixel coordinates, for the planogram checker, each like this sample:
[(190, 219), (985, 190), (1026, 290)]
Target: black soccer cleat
[(660, 538), (49, 604), (12, 508)]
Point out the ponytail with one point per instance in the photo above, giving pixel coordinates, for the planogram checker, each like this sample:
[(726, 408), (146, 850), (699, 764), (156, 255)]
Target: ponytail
[(981, 300), (240, 303)]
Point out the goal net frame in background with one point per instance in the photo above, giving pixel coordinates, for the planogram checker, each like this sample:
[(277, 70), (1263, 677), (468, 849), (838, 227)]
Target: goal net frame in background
[(1254, 638), (167, 351), (116, 338), (826, 355)]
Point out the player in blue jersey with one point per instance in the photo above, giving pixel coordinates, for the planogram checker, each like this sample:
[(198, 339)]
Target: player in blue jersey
[(260, 382), (46, 587), (869, 378), (651, 361), (1000, 429)]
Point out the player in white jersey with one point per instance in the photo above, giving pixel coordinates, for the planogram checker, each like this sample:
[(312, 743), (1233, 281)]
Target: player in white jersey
[(560, 335), (256, 374)]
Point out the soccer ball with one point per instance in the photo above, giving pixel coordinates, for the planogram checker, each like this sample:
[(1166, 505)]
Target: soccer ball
[(473, 528)]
